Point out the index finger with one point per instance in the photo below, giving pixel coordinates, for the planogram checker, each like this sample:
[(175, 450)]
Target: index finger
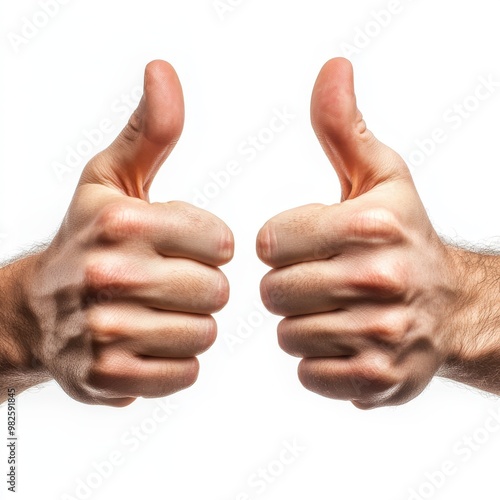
[(307, 233), (183, 230)]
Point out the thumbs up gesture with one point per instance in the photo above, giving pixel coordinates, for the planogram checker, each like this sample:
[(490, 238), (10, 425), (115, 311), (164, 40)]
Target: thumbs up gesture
[(122, 297), (366, 286)]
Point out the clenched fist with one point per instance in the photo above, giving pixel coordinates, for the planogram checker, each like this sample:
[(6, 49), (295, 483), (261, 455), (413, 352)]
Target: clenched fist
[(119, 304), (366, 286)]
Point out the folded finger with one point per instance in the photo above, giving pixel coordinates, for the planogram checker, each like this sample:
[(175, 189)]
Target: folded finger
[(151, 332), (171, 284), (124, 376)]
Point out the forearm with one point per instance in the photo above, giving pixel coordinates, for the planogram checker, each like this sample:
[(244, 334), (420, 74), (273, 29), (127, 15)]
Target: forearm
[(19, 369), (475, 324)]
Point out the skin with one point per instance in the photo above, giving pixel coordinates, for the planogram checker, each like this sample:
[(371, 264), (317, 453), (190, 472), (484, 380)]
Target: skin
[(119, 305), (373, 301)]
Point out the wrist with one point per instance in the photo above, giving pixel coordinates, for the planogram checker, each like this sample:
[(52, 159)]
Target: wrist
[(474, 323), (18, 326)]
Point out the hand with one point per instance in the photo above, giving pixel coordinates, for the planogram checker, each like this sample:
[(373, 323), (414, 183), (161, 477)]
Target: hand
[(121, 300), (366, 286)]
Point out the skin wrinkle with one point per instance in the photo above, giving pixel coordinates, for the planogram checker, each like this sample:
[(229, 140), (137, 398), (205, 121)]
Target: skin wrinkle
[(421, 308), (405, 290), (135, 262)]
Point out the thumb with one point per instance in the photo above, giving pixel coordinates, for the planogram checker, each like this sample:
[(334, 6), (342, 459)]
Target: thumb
[(130, 163), (360, 160)]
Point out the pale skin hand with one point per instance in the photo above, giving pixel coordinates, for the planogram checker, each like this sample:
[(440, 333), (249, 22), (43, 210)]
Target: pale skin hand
[(374, 302), (119, 305)]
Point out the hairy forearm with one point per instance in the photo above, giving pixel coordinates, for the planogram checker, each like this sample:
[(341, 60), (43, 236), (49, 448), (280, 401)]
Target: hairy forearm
[(19, 369), (475, 325)]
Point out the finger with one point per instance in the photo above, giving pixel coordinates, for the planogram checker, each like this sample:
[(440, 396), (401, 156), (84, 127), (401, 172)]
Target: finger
[(316, 232), (324, 286), (348, 378), (182, 230), (118, 375), (130, 163), (343, 332), (360, 160), (173, 229), (149, 332), (299, 235), (170, 284), (115, 402)]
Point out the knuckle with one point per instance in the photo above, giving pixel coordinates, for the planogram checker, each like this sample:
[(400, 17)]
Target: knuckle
[(200, 334), (191, 372), (323, 249), (99, 273), (390, 327), (376, 375), (306, 374), (272, 293), (221, 291), (284, 337), (222, 238), (104, 278), (133, 127), (377, 225), (267, 243), (117, 221), (316, 377), (269, 249), (110, 372), (103, 327), (179, 379), (226, 245), (209, 334), (289, 338), (387, 278)]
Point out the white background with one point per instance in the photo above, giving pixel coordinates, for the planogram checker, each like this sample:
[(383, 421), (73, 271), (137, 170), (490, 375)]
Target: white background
[(264, 54)]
